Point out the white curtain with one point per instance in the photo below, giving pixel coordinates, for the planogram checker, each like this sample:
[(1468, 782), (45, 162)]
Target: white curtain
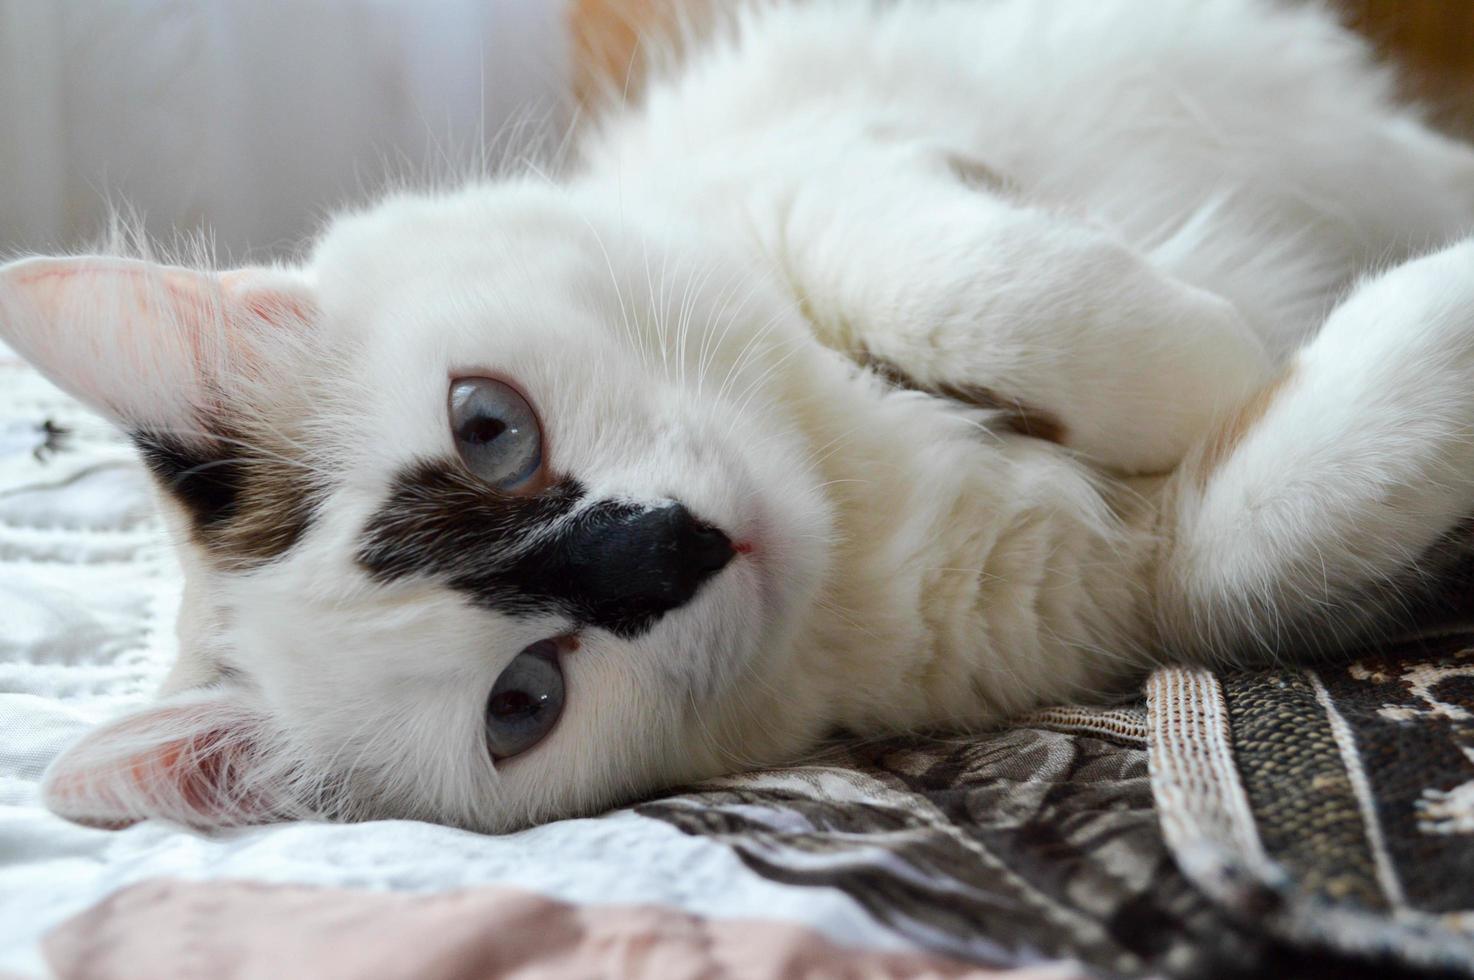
[(253, 118)]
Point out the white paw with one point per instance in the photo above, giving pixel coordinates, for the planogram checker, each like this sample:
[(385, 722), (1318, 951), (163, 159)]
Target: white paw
[(1146, 386)]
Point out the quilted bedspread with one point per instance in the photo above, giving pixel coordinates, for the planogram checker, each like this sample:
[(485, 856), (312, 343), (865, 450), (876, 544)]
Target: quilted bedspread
[(1307, 823)]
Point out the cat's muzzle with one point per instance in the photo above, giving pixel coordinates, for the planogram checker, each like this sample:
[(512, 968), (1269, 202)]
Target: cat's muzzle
[(627, 567)]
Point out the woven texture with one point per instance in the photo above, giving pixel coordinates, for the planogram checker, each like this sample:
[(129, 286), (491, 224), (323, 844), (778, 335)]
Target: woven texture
[(1350, 816)]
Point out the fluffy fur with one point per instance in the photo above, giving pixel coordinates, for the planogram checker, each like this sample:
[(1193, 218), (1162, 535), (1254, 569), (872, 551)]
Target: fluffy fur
[(1125, 224)]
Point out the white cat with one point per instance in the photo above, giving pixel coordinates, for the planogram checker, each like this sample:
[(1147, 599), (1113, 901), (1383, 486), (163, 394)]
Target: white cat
[(520, 501)]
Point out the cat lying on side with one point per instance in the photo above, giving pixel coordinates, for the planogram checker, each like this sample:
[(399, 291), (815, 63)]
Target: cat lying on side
[(888, 367)]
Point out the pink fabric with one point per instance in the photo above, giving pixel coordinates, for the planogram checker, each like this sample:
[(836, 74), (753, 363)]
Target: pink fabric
[(161, 930)]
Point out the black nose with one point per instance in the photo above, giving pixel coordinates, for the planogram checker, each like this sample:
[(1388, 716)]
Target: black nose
[(629, 567), (702, 546)]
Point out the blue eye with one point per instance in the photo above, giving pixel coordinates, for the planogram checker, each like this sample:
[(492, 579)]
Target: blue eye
[(526, 701), (496, 433)]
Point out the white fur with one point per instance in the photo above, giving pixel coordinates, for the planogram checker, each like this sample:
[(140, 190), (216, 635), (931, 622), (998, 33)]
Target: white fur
[(1123, 220)]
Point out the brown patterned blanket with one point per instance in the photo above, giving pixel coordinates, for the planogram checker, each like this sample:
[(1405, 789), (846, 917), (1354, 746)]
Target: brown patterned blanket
[(1297, 842), (1332, 807)]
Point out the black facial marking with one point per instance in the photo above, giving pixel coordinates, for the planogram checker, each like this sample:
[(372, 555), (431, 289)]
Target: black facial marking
[(441, 521), (612, 565), (203, 479), (246, 505)]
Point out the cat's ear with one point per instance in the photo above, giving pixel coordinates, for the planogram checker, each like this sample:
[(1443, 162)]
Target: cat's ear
[(201, 758), (151, 346)]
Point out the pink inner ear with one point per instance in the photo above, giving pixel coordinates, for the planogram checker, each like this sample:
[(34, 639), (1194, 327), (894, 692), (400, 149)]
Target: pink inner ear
[(127, 790), (275, 305), (147, 344), (146, 766)]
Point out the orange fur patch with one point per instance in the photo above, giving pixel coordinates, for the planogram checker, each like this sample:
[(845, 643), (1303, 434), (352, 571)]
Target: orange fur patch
[(1231, 431), (611, 42)]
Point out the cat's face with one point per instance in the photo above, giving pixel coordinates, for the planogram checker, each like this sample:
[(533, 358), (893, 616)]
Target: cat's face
[(496, 512)]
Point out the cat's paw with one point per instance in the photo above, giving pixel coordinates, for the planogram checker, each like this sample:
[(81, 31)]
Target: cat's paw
[(1148, 382), (1110, 357), (1336, 497)]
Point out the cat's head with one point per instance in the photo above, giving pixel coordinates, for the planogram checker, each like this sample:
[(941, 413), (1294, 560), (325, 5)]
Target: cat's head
[(494, 510)]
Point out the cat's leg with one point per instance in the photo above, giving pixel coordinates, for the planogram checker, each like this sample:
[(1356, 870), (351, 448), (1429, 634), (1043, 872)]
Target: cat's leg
[(961, 290), (1331, 496)]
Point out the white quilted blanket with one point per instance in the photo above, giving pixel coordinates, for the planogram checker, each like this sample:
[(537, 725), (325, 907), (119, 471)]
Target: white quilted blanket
[(87, 595)]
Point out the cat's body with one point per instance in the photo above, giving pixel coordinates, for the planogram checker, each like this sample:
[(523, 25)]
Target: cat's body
[(1111, 228)]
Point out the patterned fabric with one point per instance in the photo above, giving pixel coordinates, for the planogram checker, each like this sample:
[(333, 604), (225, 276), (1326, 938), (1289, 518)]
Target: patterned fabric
[(1039, 841), (1344, 816), (1284, 822)]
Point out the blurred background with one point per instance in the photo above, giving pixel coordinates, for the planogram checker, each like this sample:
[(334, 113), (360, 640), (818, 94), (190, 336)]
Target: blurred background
[(254, 118)]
